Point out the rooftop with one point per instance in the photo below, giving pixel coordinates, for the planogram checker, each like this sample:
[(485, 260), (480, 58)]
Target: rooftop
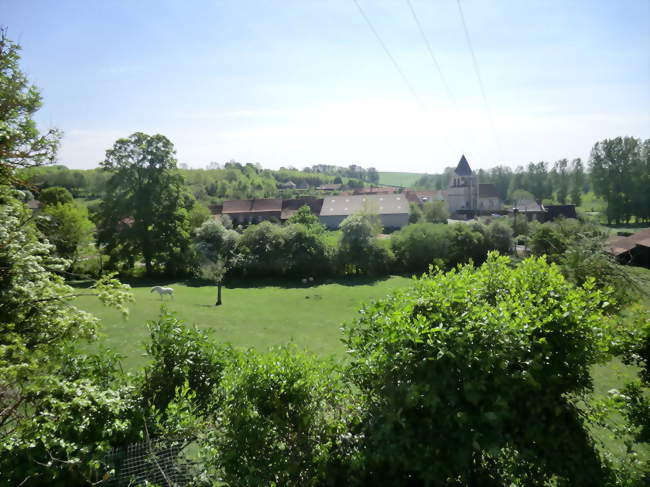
[(376, 203)]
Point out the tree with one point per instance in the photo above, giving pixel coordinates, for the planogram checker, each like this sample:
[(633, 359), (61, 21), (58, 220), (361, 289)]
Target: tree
[(612, 164), (435, 212), (453, 369), (304, 216), (145, 211), (55, 195), (358, 249), (578, 181), (561, 180), (21, 144), (68, 227), (217, 247)]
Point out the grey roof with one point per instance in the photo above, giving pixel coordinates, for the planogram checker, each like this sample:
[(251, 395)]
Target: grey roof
[(252, 206), (463, 168), (529, 206), (487, 190), (377, 203)]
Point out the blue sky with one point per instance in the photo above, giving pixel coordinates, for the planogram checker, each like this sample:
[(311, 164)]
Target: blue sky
[(303, 82)]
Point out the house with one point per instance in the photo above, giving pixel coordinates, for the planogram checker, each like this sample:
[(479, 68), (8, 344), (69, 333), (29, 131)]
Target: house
[(393, 209), (253, 211), (466, 195), (289, 207), (532, 210), (633, 250)]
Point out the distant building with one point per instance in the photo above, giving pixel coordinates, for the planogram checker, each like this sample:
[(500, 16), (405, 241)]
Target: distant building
[(289, 207), (556, 211), (421, 197), (375, 190), (253, 211), (393, 209), (532, 210), (633, 250), (466, 195)]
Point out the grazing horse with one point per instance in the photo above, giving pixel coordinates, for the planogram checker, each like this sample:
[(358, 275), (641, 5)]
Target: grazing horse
[(163, 290)]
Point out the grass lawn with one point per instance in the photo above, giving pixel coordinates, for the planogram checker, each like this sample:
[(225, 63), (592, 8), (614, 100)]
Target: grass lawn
[(259, 317), (398, 178)]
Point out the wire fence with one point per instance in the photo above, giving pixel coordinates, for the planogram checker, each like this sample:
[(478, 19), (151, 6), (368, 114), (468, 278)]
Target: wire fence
[(154, 462)]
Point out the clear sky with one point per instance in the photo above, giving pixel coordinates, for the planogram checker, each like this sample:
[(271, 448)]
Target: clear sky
[(286, 82)]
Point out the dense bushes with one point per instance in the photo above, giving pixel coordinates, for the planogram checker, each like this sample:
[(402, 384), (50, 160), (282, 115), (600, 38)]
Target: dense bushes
[(469, 369), (419, 245)]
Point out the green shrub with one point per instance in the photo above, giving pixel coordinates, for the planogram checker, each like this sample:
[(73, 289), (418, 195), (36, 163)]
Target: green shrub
[(468, 370), (281, 422), (181, 355)]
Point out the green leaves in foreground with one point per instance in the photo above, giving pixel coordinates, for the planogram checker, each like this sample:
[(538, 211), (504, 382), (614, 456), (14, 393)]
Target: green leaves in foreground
[(468, 365)]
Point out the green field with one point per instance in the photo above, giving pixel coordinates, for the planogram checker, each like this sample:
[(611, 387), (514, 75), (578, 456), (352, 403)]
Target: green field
[(258, 317), (399, 178)]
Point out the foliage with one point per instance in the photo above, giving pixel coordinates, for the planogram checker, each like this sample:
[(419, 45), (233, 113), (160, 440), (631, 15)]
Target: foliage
[(419, 245), (55, 195), (68, 228), (306, 250), (21, 144), (262, 247), (454, 368), (620, 170), (435, 212), (145, 210), (217, 248), (180, 355), (198, 214), (415, 213), (358, 251), (499, 234), (282, 421), (304, 216)]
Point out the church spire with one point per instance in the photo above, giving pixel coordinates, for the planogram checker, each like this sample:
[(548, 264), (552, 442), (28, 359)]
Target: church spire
[(463, 168)]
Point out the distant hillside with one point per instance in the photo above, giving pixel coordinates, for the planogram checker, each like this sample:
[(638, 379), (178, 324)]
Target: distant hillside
[(398, 178)]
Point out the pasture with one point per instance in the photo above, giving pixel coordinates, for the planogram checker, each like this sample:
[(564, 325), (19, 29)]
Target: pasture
[(405, 179), (259, 316)]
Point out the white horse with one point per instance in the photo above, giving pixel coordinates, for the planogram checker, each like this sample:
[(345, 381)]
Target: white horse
[(163, 290)]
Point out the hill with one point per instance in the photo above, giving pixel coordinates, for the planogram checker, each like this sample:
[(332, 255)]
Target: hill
[(398, 178)]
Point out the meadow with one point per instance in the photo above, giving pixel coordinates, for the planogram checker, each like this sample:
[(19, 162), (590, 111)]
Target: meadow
[(405, 179), (282, 312), (267, 314)]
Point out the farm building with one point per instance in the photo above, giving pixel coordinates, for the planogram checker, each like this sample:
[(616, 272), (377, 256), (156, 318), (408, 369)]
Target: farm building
[(289, 207), (393, 209), (532, 210), (633, 250), (253, 211)]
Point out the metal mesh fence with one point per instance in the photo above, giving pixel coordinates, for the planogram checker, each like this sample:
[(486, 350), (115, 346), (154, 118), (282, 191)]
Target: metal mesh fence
[(155, 462)]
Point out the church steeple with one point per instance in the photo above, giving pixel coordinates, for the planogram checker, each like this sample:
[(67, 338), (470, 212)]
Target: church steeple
[(463, 168)]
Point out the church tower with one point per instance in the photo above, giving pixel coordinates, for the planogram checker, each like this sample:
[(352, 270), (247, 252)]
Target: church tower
[(462, 193)]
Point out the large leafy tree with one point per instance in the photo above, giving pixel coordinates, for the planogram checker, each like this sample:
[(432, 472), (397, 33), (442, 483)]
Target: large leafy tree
[(619, 169), (145, 210)]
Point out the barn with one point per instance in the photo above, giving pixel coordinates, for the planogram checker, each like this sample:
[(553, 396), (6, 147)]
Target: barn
[(393, 209)]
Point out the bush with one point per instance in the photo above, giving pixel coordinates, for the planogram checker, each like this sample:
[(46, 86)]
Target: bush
[(181, 355), (306, 251), (55, 195), (499, 236), (263, 250), (419, 245), (281, 422), (468, 377), (435, 212), (358, 251)]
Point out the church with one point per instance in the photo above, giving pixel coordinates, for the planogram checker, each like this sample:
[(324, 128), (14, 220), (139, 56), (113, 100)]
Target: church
[(466, 194)]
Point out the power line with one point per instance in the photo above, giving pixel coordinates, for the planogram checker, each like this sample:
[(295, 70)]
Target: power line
[(390, 56), (431, 55), (397, 66), (480, 80)]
